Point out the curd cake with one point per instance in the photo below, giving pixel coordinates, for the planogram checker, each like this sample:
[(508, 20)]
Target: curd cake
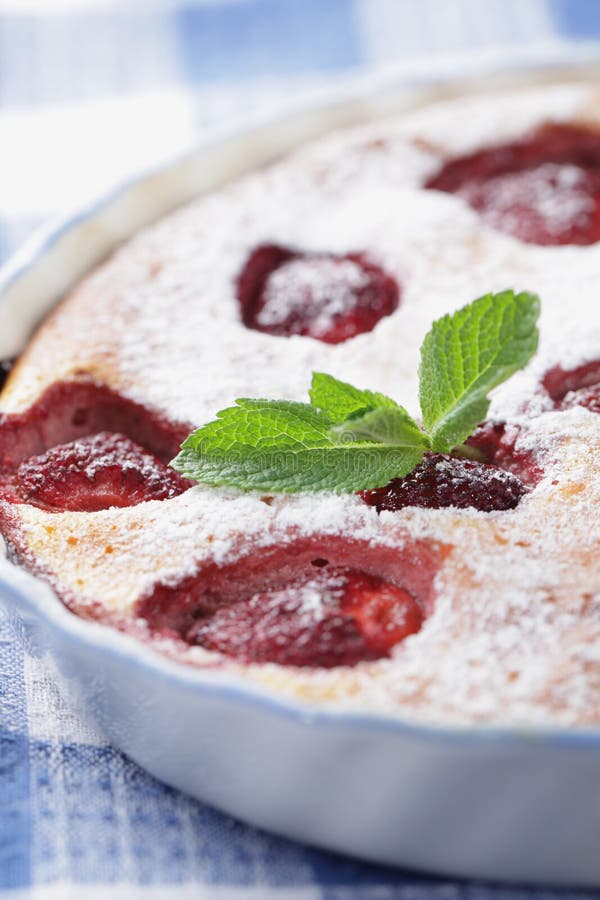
[(467, 590)]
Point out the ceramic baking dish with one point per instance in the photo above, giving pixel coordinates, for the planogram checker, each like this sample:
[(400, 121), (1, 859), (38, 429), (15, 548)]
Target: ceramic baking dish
[(480, 802)]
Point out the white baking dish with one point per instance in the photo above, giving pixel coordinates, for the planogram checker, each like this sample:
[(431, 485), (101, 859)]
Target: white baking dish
[(479, 802)]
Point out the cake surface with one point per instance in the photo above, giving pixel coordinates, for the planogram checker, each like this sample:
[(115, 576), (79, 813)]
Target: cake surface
[(167, 332)]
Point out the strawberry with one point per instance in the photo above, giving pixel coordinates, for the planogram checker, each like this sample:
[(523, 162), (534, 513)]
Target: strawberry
[(496, 441), (574, 387), (544, 190), (441, 481), (326, 296), (335, 617), (95, 473), (588, 397)]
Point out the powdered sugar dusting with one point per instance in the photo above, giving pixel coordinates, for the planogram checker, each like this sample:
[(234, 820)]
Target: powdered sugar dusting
[(522, 203), (326, 285), (515, 631)]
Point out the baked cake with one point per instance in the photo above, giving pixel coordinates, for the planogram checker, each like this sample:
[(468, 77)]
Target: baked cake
[(468, 591)]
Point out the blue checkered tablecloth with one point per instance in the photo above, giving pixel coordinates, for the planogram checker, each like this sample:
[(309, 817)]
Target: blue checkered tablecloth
[(91, 90)]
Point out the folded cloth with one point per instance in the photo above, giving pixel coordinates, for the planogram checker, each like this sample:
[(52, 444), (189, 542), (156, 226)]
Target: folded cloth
[(90, 91)]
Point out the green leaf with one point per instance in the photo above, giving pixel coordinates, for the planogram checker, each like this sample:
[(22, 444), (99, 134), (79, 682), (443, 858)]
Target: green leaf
[(468, 353), (341, 400), (350, 440), (385, 426), (365, 415), (289, 447)]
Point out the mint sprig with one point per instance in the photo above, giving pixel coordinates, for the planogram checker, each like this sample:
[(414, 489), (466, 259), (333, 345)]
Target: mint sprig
[(468, 353), (348, 439), (342, 401), (279, 445)]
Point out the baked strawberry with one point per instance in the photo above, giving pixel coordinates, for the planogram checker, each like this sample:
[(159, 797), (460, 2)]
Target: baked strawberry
[(587, 397), (384, 613), (544, 190), (326, 296), (442, 481), (575, 387), (496, 442), (335, 617), (96, 473)]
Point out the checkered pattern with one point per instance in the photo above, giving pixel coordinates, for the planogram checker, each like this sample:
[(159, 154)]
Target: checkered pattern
[(89, 91)]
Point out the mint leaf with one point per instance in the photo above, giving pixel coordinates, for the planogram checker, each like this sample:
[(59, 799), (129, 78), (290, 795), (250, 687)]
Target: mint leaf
[(468, 353), (341, 400), (365, 415), (290, 447), (351, 440), (385, 426)]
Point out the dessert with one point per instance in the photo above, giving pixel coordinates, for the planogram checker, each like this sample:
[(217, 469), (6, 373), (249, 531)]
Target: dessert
[(466, 590)]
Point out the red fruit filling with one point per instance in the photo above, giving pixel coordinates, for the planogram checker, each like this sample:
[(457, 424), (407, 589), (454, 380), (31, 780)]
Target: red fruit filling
[(313, 603), (95, 473), (587, 397), (71, 410), (336, 618), (495, 442), (544, 190), (322, 295), (575, 387), (442, 481)]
